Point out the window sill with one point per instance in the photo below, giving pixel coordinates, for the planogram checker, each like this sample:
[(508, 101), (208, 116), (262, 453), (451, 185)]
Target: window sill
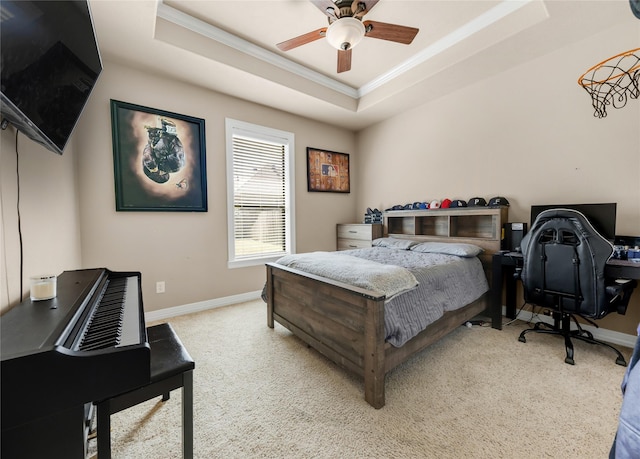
[(252, 262)]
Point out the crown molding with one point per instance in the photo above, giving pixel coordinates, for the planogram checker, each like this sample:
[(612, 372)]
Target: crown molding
[(215, 33), (495, 14), (472, 27)]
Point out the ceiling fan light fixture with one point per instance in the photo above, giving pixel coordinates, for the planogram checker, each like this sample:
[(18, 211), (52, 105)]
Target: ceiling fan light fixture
[(345, 33)]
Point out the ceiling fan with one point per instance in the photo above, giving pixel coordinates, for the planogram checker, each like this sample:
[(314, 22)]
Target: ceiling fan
[(346, 29)]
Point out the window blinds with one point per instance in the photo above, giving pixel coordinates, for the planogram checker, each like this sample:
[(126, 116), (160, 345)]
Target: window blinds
[(259, 197)]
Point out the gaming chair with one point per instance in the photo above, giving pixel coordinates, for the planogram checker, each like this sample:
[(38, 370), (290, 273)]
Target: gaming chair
[(563, 271)]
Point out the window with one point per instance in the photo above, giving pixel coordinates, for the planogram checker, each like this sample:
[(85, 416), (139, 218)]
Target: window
[(260, 193)]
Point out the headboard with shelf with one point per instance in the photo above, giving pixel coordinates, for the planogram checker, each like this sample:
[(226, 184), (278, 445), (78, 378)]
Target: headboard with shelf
[(481, 226)]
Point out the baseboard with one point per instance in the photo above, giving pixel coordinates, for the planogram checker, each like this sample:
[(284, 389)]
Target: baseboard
[(175, 311), (610, 336)]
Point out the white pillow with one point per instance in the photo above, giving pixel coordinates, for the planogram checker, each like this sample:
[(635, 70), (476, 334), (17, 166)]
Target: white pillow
[(448, 248), (393, 243)]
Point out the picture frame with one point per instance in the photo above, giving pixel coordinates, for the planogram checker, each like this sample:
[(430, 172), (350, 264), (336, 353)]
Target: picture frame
[(328, 171), (159, 159)]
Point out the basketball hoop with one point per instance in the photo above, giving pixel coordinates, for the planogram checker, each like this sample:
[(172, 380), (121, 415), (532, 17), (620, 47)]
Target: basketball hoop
[(613, 81)]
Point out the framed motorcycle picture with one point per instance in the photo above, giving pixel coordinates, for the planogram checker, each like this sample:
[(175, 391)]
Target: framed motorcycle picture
[(159, 159)]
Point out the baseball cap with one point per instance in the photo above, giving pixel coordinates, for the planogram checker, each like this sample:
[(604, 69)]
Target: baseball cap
[(435, 204), (498, 201), (477, 202), (446, 203), (458, 203)]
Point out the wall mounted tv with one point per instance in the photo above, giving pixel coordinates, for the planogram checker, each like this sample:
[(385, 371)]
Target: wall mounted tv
[(602, 216), (50, 64)]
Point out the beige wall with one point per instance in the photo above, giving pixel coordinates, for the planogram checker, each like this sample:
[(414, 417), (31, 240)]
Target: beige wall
[(189, 250), (527, 134), (186, 250), (49, 218)]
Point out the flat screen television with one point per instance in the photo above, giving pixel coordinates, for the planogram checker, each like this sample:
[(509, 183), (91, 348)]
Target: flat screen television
[(50, 64), (602, 216)]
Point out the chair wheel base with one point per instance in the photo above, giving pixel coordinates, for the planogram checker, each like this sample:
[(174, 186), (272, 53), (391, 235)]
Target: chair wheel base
[(562, 328)]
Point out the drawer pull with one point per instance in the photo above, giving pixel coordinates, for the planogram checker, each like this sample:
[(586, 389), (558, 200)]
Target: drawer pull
[(353, 246), (352, 231)]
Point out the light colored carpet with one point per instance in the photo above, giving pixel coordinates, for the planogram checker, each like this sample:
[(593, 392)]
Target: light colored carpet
[(477, 393)]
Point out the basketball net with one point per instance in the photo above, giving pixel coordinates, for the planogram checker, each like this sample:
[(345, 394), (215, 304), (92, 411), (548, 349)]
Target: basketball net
[(613, 81)]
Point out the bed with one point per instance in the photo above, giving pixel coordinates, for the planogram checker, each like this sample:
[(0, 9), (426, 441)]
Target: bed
[(346, 323)]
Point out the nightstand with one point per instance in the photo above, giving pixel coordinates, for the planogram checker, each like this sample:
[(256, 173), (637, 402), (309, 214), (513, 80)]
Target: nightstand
[(357, 235)]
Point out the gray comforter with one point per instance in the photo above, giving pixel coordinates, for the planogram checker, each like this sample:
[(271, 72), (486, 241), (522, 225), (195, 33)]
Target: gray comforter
[(389, 279), (446, 283)]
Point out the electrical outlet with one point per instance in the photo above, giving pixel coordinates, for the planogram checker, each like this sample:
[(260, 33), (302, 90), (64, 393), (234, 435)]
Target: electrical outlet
[(160, 287)]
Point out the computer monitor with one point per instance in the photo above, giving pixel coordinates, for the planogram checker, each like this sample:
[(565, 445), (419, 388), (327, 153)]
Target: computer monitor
[(602, 216)]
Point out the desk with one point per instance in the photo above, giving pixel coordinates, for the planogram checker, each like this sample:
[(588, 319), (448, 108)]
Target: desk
[(503, 269)]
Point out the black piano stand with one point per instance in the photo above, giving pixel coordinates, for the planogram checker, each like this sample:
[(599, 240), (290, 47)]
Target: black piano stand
[(171, 368)]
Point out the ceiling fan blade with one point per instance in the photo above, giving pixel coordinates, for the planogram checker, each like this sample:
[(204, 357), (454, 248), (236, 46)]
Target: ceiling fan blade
[(327, 7), (344, 60), (391, 32), (362, 7), (302, 39)]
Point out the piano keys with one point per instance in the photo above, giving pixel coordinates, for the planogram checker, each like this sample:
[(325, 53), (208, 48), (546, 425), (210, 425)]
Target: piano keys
[(87, 344)]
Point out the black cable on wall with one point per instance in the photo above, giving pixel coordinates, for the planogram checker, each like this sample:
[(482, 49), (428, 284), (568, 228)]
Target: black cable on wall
[(18, 212)]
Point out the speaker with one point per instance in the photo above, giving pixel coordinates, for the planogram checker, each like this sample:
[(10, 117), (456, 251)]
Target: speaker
[(512, 234)]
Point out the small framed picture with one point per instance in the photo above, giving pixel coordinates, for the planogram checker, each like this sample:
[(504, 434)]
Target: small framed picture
[(159, 159), (327, 171)]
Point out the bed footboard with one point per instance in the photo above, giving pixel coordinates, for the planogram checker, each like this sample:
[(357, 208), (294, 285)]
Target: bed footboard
[(342, 322), (346, 324)]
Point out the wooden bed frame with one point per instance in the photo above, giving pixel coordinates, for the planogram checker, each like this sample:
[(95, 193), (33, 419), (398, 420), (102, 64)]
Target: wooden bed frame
[(346, 323)]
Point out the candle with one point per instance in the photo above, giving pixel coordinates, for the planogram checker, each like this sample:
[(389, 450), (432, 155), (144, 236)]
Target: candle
[(43, 287)]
